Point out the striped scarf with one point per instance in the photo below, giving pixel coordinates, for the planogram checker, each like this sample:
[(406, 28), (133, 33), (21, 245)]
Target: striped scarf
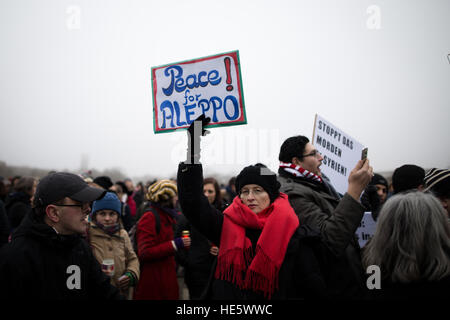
[(299, 171)]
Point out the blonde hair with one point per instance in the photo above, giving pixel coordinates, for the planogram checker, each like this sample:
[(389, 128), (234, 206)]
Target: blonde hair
[(412, 239), (161, 191)]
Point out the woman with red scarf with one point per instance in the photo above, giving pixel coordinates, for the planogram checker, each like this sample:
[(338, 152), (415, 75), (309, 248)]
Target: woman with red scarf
[(265, 253)]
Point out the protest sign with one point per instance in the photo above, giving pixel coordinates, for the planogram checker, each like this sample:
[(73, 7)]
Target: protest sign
[(211, 85), (340, 152), (366, 229)]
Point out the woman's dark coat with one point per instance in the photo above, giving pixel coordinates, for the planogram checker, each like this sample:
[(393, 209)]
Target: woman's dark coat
[(301, 274)]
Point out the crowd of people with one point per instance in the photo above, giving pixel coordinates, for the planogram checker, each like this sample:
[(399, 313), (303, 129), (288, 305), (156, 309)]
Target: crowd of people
[(265, 235)]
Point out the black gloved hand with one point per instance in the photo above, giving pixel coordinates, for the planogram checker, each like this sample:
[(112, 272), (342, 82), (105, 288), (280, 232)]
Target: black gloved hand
[(370, 200), (193, 151)]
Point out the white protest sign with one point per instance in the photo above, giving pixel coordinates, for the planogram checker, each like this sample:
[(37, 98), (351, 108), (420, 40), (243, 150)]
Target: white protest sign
[(340, 152), (211, 85), (366, 229)]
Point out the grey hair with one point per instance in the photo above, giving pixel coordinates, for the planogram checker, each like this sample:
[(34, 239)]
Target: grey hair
[(412, 239)]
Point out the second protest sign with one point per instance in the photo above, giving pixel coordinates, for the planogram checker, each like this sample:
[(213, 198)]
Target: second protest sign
[(340, 152)]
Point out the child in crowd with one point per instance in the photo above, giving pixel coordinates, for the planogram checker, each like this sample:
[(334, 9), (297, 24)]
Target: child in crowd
[(111, 244)]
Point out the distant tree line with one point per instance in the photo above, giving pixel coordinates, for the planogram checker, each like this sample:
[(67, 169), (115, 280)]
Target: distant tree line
[(7, 171)]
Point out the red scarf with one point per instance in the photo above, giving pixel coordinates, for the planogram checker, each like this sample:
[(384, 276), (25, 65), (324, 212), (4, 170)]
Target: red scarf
[(236, 262)]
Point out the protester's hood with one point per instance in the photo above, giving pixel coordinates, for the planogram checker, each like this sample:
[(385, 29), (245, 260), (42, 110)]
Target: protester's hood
[(15, 197)]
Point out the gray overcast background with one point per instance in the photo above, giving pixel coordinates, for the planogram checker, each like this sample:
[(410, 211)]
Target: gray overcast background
[(75, 87)]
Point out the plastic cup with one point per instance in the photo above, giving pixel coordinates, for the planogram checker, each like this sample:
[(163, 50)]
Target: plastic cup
[(108, 267)]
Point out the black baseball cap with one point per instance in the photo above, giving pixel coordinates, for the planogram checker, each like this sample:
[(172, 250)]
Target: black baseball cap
[(56, 186)]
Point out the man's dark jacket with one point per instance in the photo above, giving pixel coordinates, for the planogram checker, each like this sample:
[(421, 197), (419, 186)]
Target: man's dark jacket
[(17, 206), (337, 219), (197, 260), (40, 264), (4, 225)]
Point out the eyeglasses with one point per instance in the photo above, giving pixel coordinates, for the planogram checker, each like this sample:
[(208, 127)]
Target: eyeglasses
[(314, 153), (83, 206), (256, 192)]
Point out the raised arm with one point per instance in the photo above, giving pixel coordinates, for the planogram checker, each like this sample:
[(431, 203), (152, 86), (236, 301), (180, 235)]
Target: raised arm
[(337, 228), (337, 225), (194, 205)]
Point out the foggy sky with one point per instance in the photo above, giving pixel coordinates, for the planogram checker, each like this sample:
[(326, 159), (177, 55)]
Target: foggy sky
[(75, 79)]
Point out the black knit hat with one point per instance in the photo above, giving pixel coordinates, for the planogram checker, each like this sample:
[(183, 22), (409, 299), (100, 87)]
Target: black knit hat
[(407, 177), (379, 179), (104, 182), (262, 176)]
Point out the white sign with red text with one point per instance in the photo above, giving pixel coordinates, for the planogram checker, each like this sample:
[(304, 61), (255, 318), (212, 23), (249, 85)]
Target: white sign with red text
[(185, 90)]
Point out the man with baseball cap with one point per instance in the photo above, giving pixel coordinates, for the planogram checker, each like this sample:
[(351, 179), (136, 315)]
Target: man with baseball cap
[(48, 257)]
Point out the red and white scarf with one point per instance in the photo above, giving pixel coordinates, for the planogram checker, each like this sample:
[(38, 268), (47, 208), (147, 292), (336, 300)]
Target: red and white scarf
[(236, 262), (299, 171)]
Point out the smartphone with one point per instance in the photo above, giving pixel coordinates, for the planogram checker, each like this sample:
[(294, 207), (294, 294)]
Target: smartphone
[(364, 153)]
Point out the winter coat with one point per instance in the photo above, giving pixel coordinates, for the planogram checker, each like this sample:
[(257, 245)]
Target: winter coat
[(301, 275), (156, 255), (421, 291), (132, 205), (17, 206), (139, 198), (127, 219), (40, 264), (4, 225), (116, 246), (337, 220), (197, 260)]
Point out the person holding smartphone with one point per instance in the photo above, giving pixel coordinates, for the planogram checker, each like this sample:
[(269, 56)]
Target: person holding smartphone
[(316, 204)]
